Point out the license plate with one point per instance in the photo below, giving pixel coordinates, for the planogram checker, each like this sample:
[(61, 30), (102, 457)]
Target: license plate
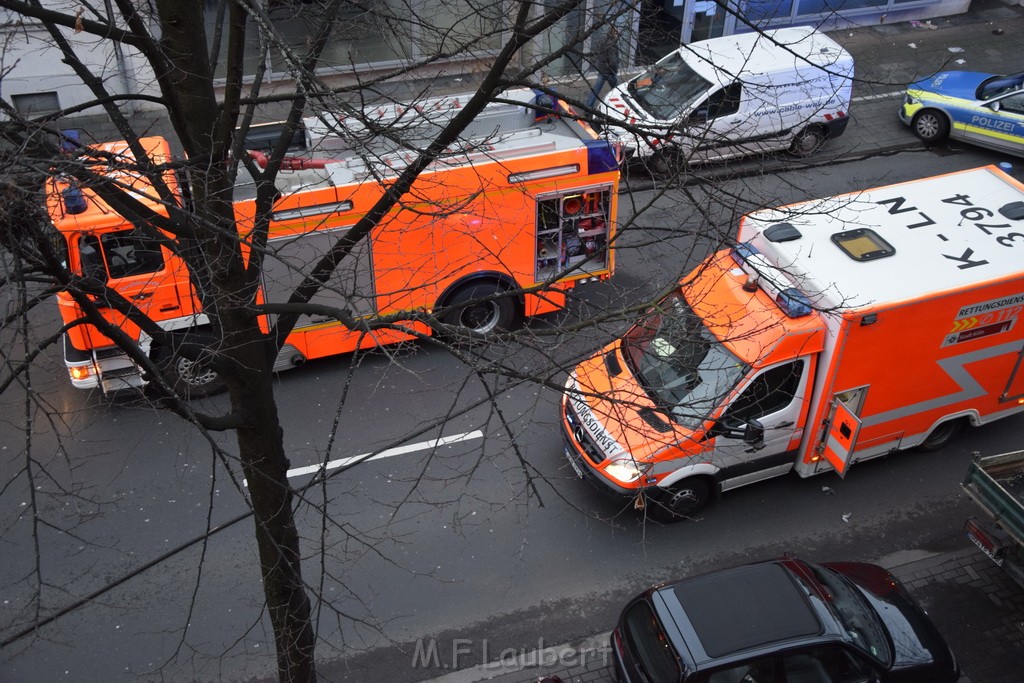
[(984, 549), (572, 463)]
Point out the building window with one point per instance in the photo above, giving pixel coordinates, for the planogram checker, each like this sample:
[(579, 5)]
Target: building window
[(385, 31), (764, 11), (836, 6), (36, 103)]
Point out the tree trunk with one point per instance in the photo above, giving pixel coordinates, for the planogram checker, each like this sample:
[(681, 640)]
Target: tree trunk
[(244, 359), (265, 465)]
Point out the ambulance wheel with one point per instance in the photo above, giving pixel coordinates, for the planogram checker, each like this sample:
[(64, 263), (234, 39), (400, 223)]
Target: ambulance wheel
[(941, 436), (680, 500), (807, 142), (468, 309), (931, 126), (188, 367)]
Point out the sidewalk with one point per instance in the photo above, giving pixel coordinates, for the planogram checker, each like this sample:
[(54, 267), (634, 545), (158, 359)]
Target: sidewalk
[(887, 57), (976, 606)]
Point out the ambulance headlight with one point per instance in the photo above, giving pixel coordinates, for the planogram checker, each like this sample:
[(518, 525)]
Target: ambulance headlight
[(627, 470)]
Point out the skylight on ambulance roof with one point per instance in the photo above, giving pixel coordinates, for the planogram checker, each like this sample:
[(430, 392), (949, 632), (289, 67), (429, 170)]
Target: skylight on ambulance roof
[(863, 244)]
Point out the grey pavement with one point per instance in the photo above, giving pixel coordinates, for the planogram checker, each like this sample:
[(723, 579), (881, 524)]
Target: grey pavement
[(975, 605)]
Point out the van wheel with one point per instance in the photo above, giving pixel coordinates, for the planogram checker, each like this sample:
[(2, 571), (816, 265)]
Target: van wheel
[(664, 164), (941, 436), (465, 309), (930, 126), (807, 142), (680, 500), (189, 369)]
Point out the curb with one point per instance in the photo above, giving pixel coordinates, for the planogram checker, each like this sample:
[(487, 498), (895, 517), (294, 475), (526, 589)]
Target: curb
[(570, 654)]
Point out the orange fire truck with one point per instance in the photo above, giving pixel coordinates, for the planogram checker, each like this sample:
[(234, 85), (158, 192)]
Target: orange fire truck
[(834, 331), (501, 226)]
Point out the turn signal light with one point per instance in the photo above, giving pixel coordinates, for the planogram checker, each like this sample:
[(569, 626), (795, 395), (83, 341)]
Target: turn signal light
[(80, 372)]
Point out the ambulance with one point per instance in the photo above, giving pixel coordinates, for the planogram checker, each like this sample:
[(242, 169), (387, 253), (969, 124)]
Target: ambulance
[(834, 331)]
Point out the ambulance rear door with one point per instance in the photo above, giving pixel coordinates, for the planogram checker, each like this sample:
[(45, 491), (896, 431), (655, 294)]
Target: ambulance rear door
[(839, 437)]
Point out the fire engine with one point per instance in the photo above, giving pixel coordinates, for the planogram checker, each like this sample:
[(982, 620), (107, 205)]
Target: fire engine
[(501, 226), (835, 331)]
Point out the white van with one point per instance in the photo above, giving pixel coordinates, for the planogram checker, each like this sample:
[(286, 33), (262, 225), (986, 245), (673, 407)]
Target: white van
[(732, 96)]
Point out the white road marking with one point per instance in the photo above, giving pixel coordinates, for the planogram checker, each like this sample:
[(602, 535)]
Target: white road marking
[(400, 450), (867, 98)]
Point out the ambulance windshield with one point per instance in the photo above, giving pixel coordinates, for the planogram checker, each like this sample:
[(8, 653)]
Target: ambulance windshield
[(680, 364), (669, 88)]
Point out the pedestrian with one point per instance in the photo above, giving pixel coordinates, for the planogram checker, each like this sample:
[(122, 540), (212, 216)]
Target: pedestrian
[(606, 59)]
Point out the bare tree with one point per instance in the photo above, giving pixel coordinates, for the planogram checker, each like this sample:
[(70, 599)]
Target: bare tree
[(201, 79), (217, 71)]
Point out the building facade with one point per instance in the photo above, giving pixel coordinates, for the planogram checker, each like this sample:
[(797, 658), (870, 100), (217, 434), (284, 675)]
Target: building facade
[(386, 39)]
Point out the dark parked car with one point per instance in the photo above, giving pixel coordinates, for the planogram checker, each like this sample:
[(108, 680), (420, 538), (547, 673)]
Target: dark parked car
[(783, 621)]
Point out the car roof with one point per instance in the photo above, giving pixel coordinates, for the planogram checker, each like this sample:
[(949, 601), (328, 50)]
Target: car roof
[(738, 57), (741, 609)]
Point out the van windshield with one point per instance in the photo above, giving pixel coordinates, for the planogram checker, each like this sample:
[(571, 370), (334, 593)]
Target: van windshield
[(668, 89), (680, 364)]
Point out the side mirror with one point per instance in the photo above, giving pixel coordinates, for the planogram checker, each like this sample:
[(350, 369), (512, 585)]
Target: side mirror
[(994, 106), (753, 432), (699, 116)]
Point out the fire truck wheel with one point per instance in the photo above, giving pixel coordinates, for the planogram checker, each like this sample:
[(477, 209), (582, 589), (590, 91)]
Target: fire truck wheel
[(468, 308), (941, 436), (807, 142), (680, 500), (189, 371)]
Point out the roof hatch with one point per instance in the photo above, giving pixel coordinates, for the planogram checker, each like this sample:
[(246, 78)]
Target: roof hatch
[(863, 244)]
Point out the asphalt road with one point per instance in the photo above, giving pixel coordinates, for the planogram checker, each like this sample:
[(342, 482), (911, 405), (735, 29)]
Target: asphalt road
[(488, 539)]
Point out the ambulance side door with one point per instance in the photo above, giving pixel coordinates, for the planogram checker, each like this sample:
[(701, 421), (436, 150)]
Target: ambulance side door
[(776, 399)]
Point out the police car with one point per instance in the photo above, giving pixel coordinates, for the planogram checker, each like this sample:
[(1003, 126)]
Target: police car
[(982, 109)]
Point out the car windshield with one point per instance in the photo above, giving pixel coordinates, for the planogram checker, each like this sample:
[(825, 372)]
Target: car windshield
[(650, 645), (669, 88), (854, 613), (1000, 85), (680, 364)]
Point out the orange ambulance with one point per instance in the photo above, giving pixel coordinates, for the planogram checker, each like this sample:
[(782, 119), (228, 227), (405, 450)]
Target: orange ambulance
[(835, 331)]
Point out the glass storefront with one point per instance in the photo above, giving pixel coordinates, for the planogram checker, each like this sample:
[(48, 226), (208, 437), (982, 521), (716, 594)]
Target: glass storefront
[(389, 33), (366, 34), (667, 24)]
